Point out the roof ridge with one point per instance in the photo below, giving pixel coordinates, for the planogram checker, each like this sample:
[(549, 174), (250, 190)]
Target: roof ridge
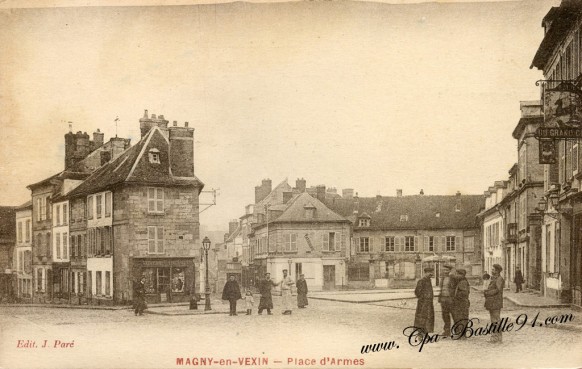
[(148, 138)]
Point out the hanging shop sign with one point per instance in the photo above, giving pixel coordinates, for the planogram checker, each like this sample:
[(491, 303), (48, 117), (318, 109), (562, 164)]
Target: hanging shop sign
[(562, 105), (548, 152)]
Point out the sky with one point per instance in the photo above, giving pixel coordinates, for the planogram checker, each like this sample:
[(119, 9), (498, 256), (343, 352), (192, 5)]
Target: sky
[(363, 95)]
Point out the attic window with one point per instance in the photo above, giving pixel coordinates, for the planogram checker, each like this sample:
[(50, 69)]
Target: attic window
[(364, 223), (309, 211), (404, 218), (154, 155), (438, 214), (457, 208)]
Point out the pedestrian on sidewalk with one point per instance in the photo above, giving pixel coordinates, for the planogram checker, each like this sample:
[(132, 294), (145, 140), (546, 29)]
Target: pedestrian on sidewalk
[(286, 284), (494, 299), (518, 279), (231, 292), (446, 298), (302, 292), (424, 316), (266, 301), (139, 303), (249, 301), (460, 304)]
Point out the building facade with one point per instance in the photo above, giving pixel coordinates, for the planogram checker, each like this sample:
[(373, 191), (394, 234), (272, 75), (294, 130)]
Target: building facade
[(23, 252)]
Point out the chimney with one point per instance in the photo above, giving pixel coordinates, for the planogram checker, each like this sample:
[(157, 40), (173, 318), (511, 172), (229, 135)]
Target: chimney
[(97, 139), (356, 204), (300, 184), (181, 151), (118, 146), (399, 192), (232, 226), (287, 196), (348, 193), (146, 124), (267, 185), (421, 192), (77, 147), (263, 190), (458, 202), (320, 192), (332, 190)]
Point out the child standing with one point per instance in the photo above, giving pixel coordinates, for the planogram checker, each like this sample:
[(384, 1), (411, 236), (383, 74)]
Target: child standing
[(249, 302), (486, 279)]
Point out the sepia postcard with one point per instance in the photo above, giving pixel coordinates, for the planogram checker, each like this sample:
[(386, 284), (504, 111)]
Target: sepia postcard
[(290, 184)]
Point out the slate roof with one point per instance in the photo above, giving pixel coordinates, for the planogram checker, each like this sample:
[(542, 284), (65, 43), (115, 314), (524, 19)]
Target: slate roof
[(26, 205), (296, 212), (133, 167), (385, 212)]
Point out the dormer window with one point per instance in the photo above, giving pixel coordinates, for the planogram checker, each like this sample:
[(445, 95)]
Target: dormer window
[(364, 223), (404, 218), (309, 211), (438, 214), (154, 155)]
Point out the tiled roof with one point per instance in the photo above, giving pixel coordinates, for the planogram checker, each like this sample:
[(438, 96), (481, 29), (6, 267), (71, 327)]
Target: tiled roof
[(296, 211), (26, 205), (133, 167), (421, 211)]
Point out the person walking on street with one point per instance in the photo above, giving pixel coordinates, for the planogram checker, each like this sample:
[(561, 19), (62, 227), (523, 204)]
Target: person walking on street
[(460, 303), (424, 316), (249, 302), (266, 301), (446, 298), (286, 284), (494, 299), (231, 292), (139, 296), (302, 292), (518, 279)]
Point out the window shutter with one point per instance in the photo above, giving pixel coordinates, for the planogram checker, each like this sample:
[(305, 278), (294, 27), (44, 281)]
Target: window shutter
[(280, 240), (151, 239), (160, 200), (151, 199), (357, 244), (160, 237), (294, 242), (343, 242), (426, 243), (371, 244), (325, 242), (458, 245), (417, 243)]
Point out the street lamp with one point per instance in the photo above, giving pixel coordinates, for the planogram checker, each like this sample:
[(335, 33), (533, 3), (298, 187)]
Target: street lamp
[(206, 247)]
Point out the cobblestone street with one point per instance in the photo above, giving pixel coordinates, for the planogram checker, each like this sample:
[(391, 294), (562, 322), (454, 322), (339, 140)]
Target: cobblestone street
[(324, 329)]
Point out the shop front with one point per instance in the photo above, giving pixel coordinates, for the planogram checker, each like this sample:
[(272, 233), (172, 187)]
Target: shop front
[(167, 279)]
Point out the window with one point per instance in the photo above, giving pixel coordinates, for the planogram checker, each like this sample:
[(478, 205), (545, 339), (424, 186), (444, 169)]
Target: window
[(469, 243), (73, 246), (409, 243), (364, 222), (431, 244), (90, 282), (28, 230), (575, 159), (155, 200), (41, 209), (329, 242), (107, 240), (154, 156), (80, 245), (404, 218), (364, 244), (450, 243), (19, 234), (108, 283), (108, 204), (65, 246), (359, 272), (90, 207), (178, 280), (58, 219), (98, 283), (99, 205), (58, 244), (389, 244), (155, 240), (290, 242), (65, 214)]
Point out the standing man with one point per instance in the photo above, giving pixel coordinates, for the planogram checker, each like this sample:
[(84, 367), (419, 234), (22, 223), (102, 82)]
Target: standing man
[(266, 301), (424, 317), (518, 279), (446, 298), (286, 284), (302, 292), (494, 299), (461, 303), (231, 292), (139, 303)]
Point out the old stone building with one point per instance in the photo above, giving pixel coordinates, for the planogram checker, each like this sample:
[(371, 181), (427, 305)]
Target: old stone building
[(23, 251), (7, 246)]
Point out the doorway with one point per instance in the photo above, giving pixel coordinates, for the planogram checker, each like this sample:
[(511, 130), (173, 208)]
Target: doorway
[(329, 277)]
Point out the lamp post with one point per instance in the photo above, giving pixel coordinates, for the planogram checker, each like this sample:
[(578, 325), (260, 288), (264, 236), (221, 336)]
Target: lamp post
[(206, 247)]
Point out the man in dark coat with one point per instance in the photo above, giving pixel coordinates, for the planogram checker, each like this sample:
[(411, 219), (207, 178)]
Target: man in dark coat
[(231, 292), (302, 292), (518, 279), (494, 299), (447, 284), (460, 303), (266, 301), (139, 303), (424, 317)]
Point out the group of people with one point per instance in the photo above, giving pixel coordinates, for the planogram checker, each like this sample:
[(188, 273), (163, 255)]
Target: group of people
[(231, 292), (454, 300)]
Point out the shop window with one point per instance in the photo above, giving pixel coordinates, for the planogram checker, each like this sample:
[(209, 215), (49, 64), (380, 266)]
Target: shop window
[(178, 280), (157, 280), (359, 272)]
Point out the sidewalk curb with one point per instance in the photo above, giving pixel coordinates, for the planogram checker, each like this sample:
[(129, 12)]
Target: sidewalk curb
[(359, 302), (192, 312), (541, 306)]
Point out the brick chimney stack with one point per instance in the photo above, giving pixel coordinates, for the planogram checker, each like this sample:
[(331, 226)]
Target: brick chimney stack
[(146, 123), (181, 150), (399, 192)]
